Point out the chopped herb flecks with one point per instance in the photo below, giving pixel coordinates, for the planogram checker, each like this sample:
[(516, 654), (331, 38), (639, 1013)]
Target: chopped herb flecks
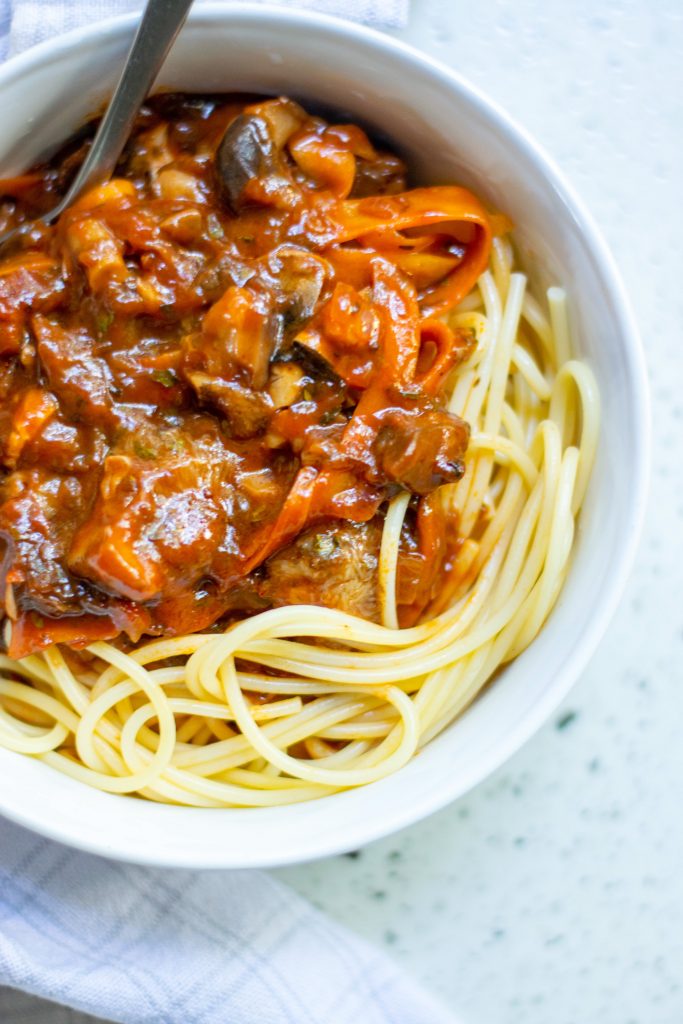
[(143, 451), (166, 378)]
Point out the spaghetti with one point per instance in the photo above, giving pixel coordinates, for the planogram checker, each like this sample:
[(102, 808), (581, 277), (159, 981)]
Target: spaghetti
[(296, 702)]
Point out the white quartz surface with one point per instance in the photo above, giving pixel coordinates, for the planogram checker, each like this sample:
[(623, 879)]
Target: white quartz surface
[(553, 894)]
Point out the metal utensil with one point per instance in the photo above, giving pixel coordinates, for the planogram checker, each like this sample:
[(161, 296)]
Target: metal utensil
[(158, 28)]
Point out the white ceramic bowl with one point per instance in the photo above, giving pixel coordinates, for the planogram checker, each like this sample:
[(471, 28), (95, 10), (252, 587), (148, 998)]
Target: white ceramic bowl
[(451, 133)]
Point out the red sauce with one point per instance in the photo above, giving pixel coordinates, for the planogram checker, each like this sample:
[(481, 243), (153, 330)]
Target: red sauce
[(217, 368)]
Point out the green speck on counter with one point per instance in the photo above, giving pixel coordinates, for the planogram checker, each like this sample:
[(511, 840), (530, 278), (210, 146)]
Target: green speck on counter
[(566, 720)]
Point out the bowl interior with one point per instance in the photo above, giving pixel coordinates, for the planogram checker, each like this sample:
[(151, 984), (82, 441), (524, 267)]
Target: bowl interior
[(449, 133)]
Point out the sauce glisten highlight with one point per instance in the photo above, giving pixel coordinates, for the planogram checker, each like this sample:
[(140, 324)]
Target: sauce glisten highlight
[(217, 369), (291, 459)]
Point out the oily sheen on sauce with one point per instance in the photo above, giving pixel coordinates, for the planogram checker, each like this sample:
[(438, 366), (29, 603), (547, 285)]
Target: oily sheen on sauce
[(256, 371)]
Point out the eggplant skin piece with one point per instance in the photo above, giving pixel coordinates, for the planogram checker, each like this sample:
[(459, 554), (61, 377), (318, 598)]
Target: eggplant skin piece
[(334, 564)]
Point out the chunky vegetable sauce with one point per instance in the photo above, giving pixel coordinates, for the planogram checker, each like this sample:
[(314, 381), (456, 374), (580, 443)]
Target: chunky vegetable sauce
[(218, 367)]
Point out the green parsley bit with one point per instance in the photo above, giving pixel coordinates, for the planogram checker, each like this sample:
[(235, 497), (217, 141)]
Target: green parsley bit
[(166, 378), (104, 319), (142, 451)]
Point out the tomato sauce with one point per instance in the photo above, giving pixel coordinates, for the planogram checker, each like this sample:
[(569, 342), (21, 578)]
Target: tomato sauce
[(216, 363)]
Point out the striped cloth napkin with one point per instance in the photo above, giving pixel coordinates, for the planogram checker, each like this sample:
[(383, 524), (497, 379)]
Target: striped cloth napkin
[(145, 946)]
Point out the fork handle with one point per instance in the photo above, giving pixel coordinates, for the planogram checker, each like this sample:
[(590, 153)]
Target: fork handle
[(158, 28)]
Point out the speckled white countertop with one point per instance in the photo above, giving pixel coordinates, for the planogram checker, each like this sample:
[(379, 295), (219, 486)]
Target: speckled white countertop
[(553, 894)]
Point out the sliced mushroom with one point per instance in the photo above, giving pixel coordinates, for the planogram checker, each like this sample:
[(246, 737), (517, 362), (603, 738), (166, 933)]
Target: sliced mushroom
[(295, 277), (286, 384), (246, 151), (251, 151)]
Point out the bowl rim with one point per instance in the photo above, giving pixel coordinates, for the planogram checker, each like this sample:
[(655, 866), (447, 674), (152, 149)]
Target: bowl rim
[(308, 846)]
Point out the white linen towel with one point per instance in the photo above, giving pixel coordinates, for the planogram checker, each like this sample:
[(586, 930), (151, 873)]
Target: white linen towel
[(24, 23), (145, 946)]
